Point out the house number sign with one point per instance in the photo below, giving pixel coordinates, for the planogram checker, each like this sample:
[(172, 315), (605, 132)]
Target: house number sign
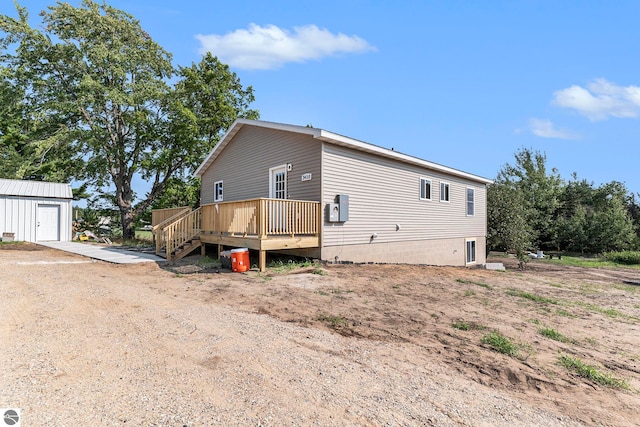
[(306, 177)]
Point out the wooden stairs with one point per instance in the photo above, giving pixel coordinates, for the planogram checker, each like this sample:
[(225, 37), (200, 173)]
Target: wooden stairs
[(186, 248)]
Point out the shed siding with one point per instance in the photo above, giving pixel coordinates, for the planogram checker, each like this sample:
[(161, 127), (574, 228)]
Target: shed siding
[(19, 215), (244, 165), (384, 192)]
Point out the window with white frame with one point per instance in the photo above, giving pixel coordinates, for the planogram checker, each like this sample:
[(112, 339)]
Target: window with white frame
[(471, 251), (425, 189), (471, 202), (218, 191), (444, 192)]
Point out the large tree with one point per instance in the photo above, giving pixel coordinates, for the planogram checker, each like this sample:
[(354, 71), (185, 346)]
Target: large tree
[(540, 191), (94, 72)]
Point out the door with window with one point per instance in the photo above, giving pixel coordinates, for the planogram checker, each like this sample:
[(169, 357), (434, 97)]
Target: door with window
[(278, 190)]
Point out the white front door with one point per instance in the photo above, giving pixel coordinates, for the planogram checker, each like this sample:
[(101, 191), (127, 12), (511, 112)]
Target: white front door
[(48, 223), (277, 190), (278, 182)]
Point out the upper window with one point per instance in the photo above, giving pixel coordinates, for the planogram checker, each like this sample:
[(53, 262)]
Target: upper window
[(218, 192), (444, 191), (471, 202), (425, 189)]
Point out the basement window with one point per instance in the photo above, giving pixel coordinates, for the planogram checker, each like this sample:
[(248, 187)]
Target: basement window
[(471, 251)]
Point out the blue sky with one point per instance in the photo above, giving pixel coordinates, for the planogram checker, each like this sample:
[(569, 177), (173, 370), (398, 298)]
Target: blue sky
[(460, 83)]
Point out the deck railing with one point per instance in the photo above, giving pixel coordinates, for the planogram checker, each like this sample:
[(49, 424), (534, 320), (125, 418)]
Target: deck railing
[(160, 217), (262, 218), (181, 231)]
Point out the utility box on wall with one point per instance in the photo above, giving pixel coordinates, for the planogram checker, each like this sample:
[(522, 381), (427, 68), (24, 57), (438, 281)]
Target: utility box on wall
[(338, 211), (333, 212), (343, 211)]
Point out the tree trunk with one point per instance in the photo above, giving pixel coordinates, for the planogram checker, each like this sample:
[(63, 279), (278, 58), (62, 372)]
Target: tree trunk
[(128, 232)]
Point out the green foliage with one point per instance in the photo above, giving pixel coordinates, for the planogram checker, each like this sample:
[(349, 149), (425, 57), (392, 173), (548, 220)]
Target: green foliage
[(507, 226), (537, 190), (500, 343), (461, 325), (530, 296), (96, 89), (592, 373), (625, 257), (555, 335)]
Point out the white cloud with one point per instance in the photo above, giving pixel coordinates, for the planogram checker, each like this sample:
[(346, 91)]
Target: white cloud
[(600, 99), (545, 128), (270, 46)]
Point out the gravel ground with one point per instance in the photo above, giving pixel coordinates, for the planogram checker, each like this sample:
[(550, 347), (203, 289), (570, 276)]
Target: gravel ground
[(93, 344)]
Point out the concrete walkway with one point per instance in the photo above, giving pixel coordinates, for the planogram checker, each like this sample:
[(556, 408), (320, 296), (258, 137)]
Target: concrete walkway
[(103, 253)]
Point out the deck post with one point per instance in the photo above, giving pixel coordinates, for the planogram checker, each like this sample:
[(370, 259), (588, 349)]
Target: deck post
[(262, 261), (203, 249), (220, 249)]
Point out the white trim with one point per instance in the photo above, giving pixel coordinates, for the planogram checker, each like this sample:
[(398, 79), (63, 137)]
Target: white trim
[(272, 171), (422, 182), (215, 191), (448, 192), (336, 139), (466, 251), (466, 201)]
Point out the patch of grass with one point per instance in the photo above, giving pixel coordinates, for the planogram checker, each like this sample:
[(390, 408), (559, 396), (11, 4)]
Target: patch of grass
[(207, 262), (565, 313), (588, 262), (323, 293), (591, 341), (471, 282), (319, 271), (469, 293), (333, 321), (16, 242), (609, 312), (144, 235), (555, 335), (500, 343), (535, 321), (286, 265), (461, 325), (592, 373), (532, 297), (556, 285)]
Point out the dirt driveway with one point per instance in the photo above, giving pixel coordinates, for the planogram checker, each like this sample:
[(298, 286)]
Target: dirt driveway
[(90, 343)]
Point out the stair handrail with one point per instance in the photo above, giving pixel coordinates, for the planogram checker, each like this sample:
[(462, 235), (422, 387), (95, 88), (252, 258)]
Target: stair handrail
[(181, 231), (158, 229)]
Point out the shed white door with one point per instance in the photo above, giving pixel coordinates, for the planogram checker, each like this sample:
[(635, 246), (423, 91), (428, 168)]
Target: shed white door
[(48, 222)]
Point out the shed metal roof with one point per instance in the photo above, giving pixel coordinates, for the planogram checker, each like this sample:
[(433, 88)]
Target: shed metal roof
[(53, 190), (336, 139)]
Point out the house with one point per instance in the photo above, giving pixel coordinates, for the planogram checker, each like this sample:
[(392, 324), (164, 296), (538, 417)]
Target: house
[(34, 211), (310, 192)]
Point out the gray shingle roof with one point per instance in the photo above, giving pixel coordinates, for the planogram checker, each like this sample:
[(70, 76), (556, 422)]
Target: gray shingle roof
[(12, 187)]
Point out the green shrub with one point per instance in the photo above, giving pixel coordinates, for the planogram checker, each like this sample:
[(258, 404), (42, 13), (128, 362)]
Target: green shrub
[(624, 257)]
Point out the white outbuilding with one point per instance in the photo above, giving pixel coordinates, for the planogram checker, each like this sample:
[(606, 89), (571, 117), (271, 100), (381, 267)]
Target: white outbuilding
[(35, 211)]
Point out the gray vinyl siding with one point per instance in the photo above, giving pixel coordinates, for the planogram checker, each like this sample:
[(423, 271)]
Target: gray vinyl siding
[(244, 165), (384, 192)]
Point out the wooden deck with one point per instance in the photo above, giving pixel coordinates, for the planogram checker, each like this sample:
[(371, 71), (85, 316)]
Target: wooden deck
[(258, 224)]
